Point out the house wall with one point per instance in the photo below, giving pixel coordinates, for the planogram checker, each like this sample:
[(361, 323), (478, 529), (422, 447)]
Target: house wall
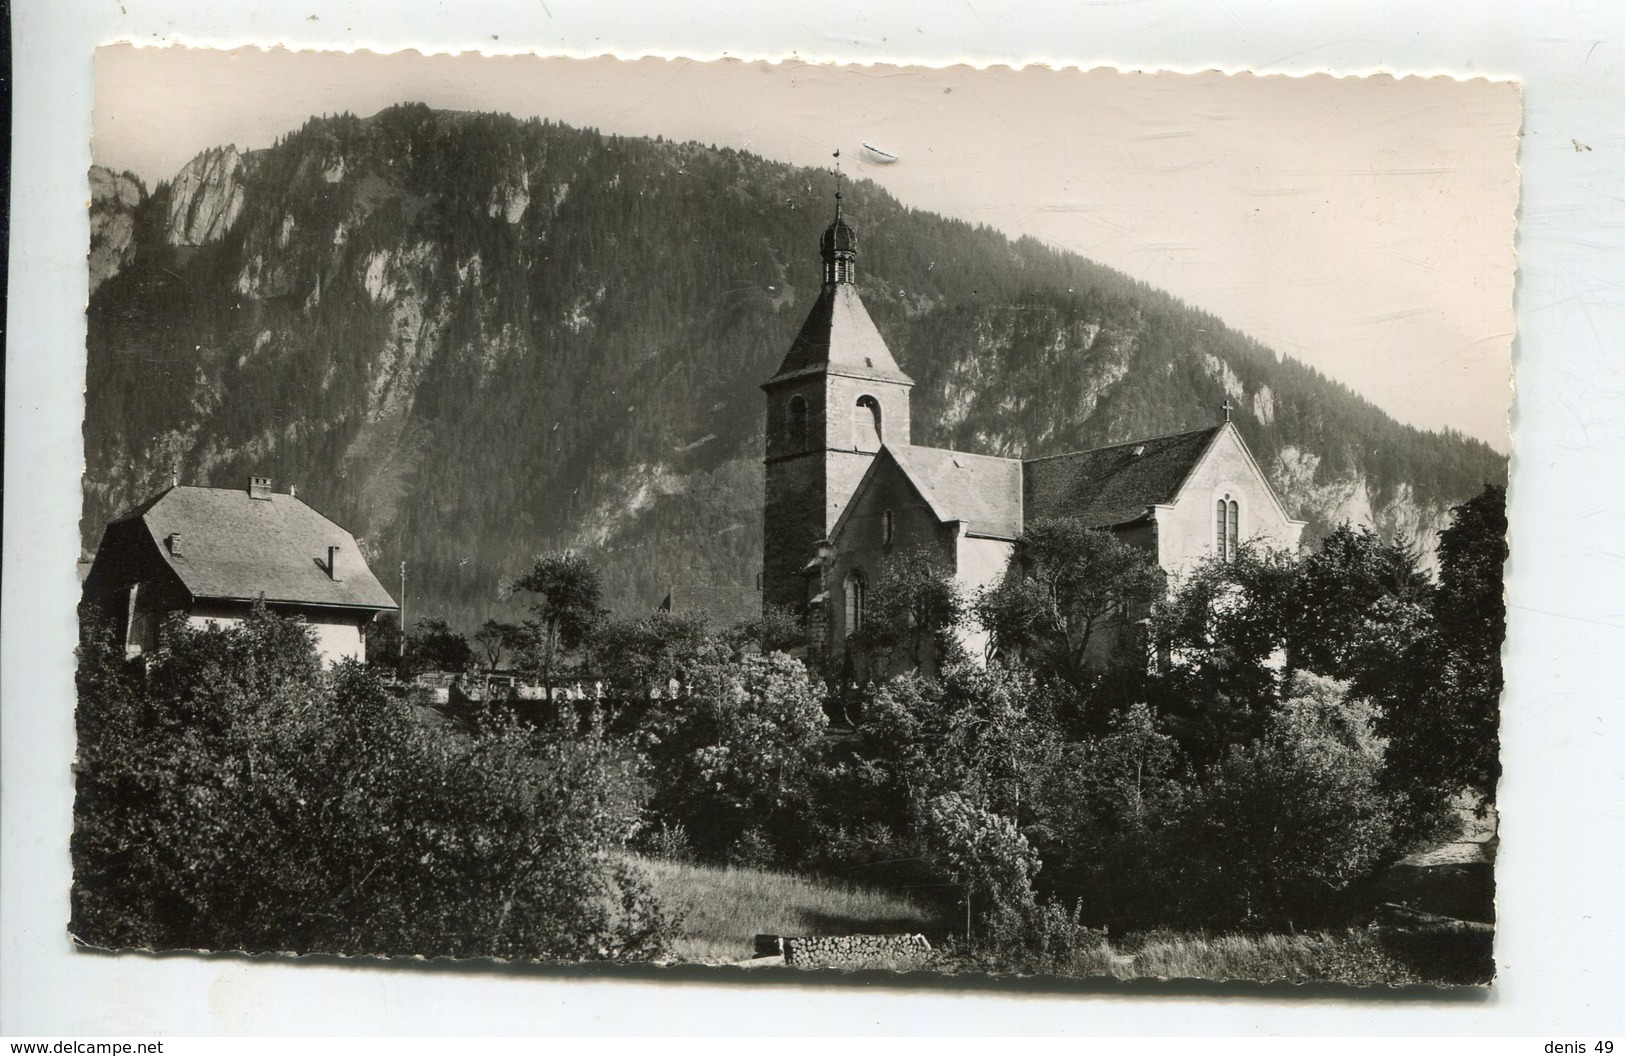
[(132, 585), (338, 634), (1186, 529)]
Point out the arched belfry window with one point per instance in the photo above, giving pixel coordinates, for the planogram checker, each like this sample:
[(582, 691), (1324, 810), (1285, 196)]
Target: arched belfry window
[(1226, 520), (856, 589), (796, 424), (866, 424), (886, 528)]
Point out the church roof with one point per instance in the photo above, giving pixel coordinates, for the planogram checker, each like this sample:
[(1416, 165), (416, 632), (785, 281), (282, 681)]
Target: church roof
[(1113, 485), (981, 491), (233, 546), (839, 337)]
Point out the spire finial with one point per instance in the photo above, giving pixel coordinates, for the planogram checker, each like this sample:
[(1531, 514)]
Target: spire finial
[(839, 176), (1227, 409)]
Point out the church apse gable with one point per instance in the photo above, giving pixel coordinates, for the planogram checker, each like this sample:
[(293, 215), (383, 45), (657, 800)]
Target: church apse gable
[(1224, 503)]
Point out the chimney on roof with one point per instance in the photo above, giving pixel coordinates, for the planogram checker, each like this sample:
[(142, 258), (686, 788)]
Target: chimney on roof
[(259, 487), (1138, 451), (335, 569), (174, 542)]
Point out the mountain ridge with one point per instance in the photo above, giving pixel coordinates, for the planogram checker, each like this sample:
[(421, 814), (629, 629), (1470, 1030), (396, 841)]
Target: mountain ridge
[(470, 338)]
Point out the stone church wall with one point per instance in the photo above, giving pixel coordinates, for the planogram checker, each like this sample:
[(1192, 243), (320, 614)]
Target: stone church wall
[(863, 547), (982, 564), (808, 484)]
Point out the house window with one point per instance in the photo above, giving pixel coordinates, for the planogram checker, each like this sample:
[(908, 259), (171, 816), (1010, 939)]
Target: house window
[(856, 589), (797, 429), (1225, 521), (886, 528), (866, 424)]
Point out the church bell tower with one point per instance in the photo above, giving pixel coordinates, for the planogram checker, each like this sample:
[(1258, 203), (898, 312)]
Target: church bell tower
[(834, 400)]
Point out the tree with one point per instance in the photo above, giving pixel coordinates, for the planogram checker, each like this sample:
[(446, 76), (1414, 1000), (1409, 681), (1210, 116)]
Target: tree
[(914, 607), (738, 750), (777, 630), (981, 732), (1103, 809), (437, 647), (1440, 691), (1067, 584), (494, 638), (569, 592), (1471, 613), (649, 652), (1222, 633), (231, 794), (385, 649), (987, 856), (1280, 828), (1337, 594)]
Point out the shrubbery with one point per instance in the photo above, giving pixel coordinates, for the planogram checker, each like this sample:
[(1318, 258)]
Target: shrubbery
[(232, 795)]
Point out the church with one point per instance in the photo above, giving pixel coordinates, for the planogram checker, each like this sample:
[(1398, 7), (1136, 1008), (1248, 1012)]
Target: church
[(847, 490)]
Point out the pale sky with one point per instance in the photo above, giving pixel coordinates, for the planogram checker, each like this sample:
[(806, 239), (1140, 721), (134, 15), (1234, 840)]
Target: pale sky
[(1363, 226)]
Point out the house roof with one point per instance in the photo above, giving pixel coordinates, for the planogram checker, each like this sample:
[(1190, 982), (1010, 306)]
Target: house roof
[(981, 491), (241, 548), (839, 337), (719, 606), (1113, 485)]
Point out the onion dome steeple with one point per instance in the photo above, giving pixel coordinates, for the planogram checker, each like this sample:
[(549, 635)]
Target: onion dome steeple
[(838, 337), (839, 248)]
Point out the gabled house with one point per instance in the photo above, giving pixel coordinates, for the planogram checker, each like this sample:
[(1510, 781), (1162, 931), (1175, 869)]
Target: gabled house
[(846, 490), (212, 553)]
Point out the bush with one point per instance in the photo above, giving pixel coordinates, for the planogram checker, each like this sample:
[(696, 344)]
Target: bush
[(989, 859), (233, 795), (668, 843), (1103, 812), (752, 850), (1280, 829), (738, 751)]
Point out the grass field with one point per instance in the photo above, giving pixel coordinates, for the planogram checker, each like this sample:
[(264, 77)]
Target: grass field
[(723, 909), (1356, 956)]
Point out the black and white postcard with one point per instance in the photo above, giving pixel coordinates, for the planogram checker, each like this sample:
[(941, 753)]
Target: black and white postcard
[(1045, 522)]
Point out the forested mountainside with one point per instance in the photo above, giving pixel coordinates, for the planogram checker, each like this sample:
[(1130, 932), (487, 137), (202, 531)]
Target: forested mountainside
[(470, 338)]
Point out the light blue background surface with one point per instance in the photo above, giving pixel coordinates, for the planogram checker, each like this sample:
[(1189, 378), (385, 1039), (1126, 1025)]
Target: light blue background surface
[(1563, 798)]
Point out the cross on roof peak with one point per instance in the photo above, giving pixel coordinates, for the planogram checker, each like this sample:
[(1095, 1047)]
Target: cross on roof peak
[(1227, 410)]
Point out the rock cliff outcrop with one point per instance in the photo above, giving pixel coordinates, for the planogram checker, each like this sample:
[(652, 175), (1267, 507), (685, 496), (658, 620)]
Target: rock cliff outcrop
[(114, 197), (206, 198)]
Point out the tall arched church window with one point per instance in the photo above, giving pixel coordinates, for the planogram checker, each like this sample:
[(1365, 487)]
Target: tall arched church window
[(1226, 524), (866, 424), (797, 423), (856, 589)]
